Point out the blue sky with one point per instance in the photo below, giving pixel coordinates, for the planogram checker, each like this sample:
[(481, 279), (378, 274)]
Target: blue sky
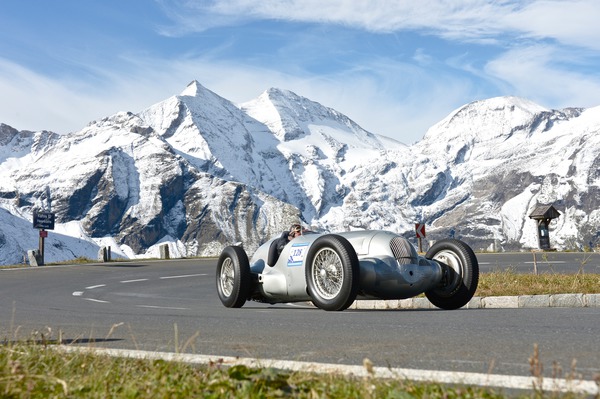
[(395, 67)]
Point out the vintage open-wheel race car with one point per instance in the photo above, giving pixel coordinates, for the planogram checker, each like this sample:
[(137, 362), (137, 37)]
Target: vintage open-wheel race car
[(334, 270)]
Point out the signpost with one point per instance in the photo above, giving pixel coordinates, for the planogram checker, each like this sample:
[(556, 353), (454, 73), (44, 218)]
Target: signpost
[(42, 221), (420, 230)]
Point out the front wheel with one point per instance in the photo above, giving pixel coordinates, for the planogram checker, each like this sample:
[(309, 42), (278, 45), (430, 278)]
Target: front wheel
[(332, 273), (233, 277), (461, 274)]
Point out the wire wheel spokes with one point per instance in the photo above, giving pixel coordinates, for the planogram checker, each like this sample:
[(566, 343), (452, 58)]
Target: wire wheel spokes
[(328, 273), (227, 277)]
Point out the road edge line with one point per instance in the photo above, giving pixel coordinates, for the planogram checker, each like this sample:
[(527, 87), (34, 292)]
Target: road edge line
[(434, 376)]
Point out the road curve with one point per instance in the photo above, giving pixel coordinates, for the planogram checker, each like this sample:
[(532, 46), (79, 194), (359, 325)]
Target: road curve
[(172, 306)]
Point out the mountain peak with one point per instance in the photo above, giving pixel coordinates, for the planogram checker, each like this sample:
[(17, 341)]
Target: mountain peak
[(505, 107), (278, 98), (511, 103), (496, 117), (7, 133), (275, 92), (193, 89)]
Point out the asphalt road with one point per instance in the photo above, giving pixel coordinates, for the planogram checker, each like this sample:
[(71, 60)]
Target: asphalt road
[(544, 262), (169, 306)]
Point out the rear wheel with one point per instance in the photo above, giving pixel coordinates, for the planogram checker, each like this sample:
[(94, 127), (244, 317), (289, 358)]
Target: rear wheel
[(332, 273), (461, 274), (233, 277)]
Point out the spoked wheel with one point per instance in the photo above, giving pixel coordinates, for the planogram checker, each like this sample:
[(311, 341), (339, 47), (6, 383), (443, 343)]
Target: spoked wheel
[(328, 273), (233, 277), (461, 274), (332, 273)]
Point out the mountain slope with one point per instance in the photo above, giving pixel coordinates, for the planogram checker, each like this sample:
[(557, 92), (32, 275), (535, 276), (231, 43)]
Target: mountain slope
[(200, 172), (503, 157), (118, 178)]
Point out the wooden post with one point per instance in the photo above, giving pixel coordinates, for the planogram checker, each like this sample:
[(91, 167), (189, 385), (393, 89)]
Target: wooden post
[(41, 247)]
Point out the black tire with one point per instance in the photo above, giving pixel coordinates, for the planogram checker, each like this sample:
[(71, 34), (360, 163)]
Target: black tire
[(233, 277), (332, 273), (461, 274)]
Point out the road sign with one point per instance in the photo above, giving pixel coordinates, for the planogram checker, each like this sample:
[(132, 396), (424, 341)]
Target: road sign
[(43, 220), (43, 233), (420, 229)]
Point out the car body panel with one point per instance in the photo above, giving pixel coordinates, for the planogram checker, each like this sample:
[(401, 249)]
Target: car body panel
[(390, 268)]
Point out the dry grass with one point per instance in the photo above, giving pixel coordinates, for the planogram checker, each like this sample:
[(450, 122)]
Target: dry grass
[(510, 283), (30, 370)]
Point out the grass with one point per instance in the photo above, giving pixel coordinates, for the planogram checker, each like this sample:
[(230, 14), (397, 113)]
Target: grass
[(34, 370), (507, 282)]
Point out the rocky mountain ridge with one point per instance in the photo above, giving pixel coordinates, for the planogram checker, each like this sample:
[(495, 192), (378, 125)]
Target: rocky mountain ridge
[(200, 172)]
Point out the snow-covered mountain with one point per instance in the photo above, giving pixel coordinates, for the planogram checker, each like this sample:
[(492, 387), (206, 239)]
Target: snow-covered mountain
[(200, 172), (502, 157)]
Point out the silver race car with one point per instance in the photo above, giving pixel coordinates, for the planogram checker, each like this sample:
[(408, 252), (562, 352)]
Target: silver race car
[(334, 270)]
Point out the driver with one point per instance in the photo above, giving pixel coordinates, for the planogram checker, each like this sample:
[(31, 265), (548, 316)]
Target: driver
[(287, 236)]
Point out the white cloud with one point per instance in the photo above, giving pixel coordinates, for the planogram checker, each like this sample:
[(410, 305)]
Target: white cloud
[(464, 18), (32, 101), (388, 100), (383, 95), (568, 22), (538, 73), (571, 22)]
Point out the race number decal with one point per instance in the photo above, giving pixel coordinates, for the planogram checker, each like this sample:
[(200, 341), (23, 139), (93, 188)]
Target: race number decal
[(297, 254)]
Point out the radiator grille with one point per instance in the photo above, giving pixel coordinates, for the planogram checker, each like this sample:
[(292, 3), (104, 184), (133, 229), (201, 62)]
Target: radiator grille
[(403, 251)]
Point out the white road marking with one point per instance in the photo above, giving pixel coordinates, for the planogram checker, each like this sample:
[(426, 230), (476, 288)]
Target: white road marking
[(134, 281), (183, 276), (296, 305), (95, 300), (91, 287), (444, 377), (544, 262), (161, 307), (531, 262)]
